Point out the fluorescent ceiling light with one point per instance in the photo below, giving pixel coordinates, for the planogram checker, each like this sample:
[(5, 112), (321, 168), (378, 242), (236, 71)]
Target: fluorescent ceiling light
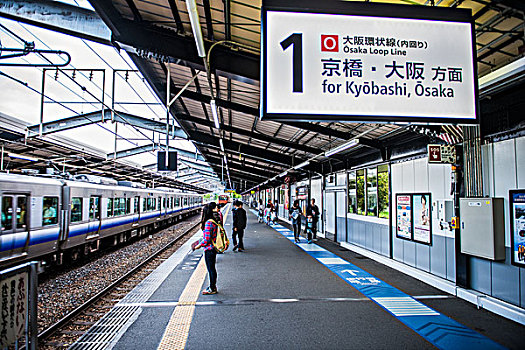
[(302, 165), (21, 156), (196, 26), (222, 145), (349, 144), (283, 173), (96, 171), (225, 159), (213, 107)]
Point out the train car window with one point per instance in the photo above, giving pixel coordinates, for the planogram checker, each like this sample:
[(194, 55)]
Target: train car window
[(94, 208), (177, 202), (128, 205), (164, 206), (160, 202), (145, 205), (50, 211), (21, 211), (120, 206), (185, 201), (136, 205), (76, 209), (110, 208), (7, 213)]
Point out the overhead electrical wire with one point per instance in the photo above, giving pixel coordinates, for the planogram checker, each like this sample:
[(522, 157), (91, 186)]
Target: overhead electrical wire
[(133, 128)]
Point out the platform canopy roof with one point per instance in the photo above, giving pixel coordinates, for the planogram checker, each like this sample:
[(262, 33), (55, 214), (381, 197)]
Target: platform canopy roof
[(158, 36), (21, 154)]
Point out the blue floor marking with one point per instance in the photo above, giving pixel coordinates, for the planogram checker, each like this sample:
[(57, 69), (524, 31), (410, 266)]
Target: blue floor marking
[(438, 329)]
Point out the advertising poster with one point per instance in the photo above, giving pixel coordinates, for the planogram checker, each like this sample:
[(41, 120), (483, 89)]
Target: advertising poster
[(422, 218), (517, 222), (404, 216)]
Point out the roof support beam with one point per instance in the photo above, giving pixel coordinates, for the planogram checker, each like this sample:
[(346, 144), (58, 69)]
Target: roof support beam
[(255, 112), (240, 65), (176, 16), (234, 165), (209, 23), (192, 165), (102, 116), (245, 149), (59, 17), (153, 147), (245, 132)]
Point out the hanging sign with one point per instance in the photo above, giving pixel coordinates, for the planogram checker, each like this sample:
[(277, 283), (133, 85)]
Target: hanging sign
[(441, 154), (404, 216), (367, 61)]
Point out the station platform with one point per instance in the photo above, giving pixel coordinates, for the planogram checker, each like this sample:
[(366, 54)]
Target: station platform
[(281, 295)]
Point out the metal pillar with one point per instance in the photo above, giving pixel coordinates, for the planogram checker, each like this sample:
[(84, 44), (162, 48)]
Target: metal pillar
[(461, 259)]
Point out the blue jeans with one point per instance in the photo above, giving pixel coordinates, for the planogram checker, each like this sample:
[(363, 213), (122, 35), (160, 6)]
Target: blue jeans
[(210, 256)]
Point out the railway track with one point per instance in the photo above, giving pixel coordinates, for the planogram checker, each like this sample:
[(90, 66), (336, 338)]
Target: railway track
[(70, 327)]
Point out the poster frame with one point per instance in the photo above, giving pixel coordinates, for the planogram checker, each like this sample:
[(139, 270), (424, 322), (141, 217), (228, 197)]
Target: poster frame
[(512, 225), (429, 206), (411, 218), (369, 10)]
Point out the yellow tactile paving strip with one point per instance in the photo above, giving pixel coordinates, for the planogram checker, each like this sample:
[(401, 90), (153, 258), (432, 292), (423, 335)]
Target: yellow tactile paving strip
[(177, 331), (178, 328)]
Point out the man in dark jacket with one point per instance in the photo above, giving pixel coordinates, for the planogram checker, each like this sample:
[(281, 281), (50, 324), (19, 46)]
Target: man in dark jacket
[(239, 224), (313, 211)]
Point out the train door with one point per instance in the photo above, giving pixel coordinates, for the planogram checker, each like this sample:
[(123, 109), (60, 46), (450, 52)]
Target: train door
[(14, 234), (95, 217), (136, 211), (159, 208)]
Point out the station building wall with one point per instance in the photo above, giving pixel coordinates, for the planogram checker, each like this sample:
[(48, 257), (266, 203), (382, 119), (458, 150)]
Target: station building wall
[(418, 176), (503, 170)]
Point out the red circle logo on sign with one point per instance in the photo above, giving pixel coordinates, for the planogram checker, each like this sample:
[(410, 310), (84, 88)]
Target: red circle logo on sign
[(330, 43)]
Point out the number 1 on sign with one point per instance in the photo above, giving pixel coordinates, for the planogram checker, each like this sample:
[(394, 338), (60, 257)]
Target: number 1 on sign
[(296, 39)]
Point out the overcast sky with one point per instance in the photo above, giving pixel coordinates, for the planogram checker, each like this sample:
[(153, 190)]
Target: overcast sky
[(20, 102)]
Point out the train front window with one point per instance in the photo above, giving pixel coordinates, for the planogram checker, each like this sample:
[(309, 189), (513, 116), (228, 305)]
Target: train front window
[(7, 213), (76, 209), (50, 211)]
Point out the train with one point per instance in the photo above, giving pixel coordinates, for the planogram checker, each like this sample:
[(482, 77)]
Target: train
[(223, 200), (52, 219)]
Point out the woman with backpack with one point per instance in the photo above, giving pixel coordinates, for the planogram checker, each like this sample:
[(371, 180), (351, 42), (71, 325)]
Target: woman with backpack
[(295, 215), (210, 220)]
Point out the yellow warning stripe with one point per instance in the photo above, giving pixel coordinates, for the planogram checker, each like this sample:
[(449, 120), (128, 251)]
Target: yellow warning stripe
[(178, 328)]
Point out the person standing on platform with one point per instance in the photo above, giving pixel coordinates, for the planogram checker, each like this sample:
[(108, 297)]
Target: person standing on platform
[(209, 225), (313, 211), (295, 216), (239, 224)]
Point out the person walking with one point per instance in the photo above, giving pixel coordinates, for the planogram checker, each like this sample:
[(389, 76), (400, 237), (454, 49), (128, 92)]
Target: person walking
[(312, 210), (210, 220), (295, 216), (239, 224), (261, 211)]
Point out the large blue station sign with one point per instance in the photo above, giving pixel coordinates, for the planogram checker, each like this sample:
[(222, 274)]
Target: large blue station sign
[(335, 60)]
